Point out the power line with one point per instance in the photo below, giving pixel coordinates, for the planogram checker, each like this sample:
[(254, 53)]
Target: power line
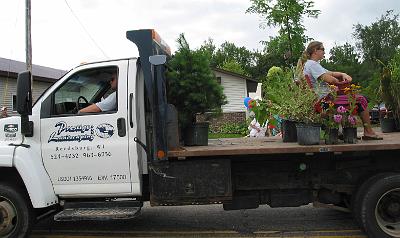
[(84, 28)]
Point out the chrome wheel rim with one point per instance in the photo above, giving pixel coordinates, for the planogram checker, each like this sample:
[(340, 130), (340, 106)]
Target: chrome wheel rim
[(387, 212), (8, 217)]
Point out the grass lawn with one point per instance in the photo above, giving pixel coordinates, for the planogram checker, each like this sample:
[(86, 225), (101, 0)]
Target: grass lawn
[(220, 135)]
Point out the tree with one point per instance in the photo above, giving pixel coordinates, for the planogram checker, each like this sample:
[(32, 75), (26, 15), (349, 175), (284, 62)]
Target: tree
[(192, 86), (234, 67), (229, 53), (288, 15), (379, 40), (344, 58), (344, 55)]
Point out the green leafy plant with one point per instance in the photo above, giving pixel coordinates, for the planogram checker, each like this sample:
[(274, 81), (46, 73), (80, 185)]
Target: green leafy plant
[(394, 66), (234, 128), (290, 100), (192, 86)]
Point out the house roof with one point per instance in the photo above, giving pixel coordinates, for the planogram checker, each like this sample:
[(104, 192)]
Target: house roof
[(234, 74), (11, 68)]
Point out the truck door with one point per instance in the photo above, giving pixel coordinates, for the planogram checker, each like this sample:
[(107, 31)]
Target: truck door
[(87, 153)]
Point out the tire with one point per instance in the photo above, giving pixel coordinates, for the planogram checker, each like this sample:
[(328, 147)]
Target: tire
[(356, 200), (16, 213), (380, 207)]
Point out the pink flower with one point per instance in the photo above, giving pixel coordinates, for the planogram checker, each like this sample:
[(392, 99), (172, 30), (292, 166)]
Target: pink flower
[(341, 109), (337, 118), (351, 119)]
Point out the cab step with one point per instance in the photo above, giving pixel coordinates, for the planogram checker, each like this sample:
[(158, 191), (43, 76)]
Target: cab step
[(99, 211)]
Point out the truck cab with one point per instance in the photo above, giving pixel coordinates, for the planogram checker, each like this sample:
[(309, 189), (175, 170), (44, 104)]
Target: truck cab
[(57, 153)]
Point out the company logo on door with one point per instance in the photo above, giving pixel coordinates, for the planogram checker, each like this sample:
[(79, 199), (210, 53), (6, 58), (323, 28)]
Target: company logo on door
[(10, 127), (80, 133)]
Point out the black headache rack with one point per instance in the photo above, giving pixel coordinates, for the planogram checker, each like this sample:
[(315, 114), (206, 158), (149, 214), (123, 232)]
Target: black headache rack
[(149, 43)]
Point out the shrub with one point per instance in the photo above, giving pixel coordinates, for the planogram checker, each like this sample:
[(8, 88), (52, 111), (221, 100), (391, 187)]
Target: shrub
[(233, 128), (192, 86)]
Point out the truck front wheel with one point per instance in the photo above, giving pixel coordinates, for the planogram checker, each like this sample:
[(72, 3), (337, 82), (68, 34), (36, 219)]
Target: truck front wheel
[(16, 213), (380, 211)]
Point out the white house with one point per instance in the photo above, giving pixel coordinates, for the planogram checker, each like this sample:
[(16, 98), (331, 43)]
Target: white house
[(236, 88)]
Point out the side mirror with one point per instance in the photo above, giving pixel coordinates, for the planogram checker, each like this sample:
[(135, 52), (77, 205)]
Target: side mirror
[(24, 94), (24, 102)]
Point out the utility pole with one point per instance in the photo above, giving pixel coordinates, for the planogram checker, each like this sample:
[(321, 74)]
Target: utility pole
[(28, 43)]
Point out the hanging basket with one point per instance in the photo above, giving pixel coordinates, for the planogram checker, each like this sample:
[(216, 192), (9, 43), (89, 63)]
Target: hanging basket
[(308, 134)]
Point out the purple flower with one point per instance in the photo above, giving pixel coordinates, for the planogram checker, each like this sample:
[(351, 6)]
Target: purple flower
[(337, 118), (351, 119), (341, 109)]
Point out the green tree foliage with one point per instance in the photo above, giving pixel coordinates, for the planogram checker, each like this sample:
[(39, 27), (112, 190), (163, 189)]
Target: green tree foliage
[(288, 16), (192, 86), (379, 40), (234, 67), (344, 55), (230, 55), (344, 58)]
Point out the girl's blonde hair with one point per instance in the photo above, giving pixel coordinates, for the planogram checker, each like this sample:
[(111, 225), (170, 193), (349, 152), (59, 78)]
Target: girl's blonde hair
[(312, 46)]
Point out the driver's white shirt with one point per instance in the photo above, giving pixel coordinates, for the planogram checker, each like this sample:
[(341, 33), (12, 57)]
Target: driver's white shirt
[(109, 103)]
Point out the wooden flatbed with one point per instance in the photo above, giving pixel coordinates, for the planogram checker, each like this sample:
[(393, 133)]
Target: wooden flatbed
[(274, 145)]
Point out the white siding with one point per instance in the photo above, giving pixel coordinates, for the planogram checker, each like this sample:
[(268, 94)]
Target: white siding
[(7, 90), (235, 90)]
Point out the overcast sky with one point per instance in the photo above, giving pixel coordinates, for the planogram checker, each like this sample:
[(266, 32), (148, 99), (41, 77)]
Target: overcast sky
[(61, 41)]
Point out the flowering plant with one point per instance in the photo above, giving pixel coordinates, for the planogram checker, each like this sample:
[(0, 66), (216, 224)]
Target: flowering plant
[(344, 115), (331, 118), (261, 110), (351, 112)]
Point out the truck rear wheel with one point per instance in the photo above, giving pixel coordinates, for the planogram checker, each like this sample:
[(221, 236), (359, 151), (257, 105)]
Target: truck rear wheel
[(356, 200), (16, 213), (380, 207)]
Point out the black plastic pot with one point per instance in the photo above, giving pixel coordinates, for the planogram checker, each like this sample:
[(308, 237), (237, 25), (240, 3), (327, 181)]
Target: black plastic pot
[(350, 135), (387, 125), (308, 134), (289, 131), (196, 134), (331, 136)]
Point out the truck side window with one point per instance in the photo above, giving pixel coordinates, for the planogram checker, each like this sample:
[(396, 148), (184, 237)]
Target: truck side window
[(81, 90)]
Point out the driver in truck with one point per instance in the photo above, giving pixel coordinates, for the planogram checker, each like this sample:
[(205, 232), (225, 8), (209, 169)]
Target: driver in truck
[(109, 103)]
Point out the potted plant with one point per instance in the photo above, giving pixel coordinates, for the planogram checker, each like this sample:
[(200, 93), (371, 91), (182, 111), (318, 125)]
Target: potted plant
[(193, 89), (331, 116), (395, 86), (389, 92), (331, 121), (349, 115), (279, 88), (307, 114)]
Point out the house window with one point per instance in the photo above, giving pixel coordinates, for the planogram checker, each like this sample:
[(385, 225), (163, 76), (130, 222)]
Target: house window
[(14, 103), (219, 80)]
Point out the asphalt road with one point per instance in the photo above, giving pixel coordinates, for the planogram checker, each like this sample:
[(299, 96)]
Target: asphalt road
[(211, 221)]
